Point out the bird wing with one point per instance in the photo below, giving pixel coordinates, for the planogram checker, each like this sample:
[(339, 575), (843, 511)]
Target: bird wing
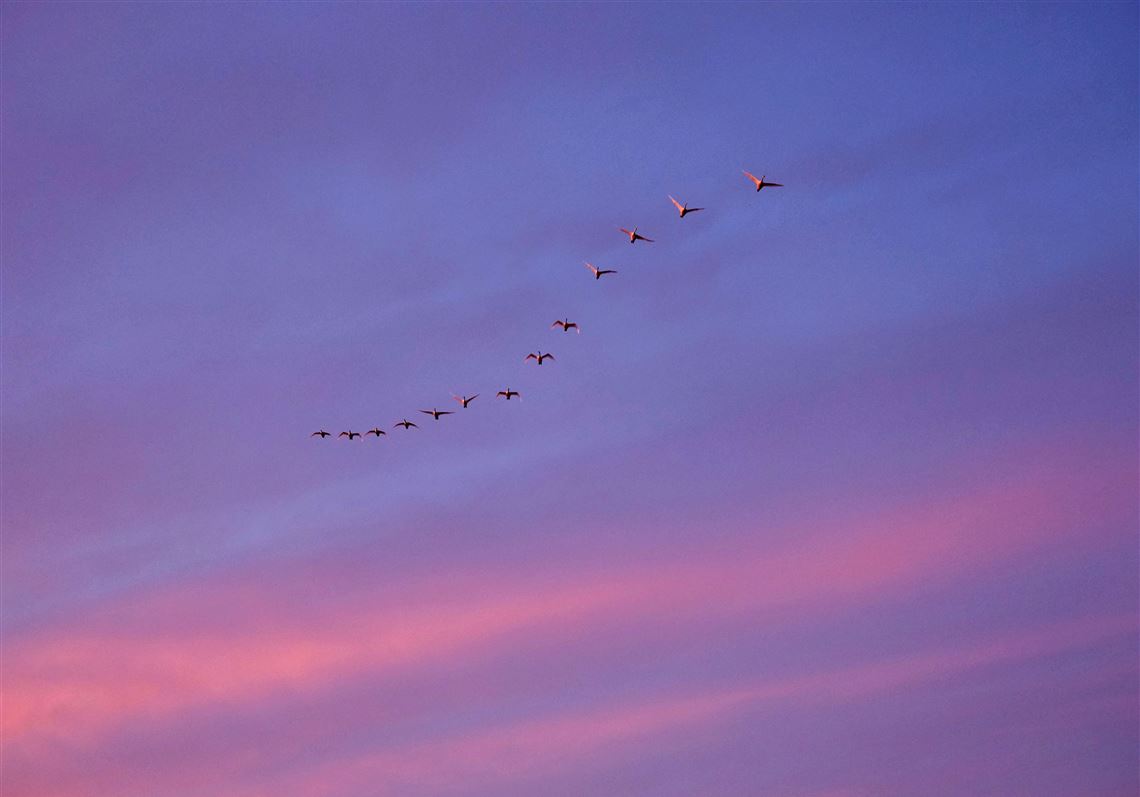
[(752, 177), (548, 356), (558, 324), (774, 185), (427, 412), (676, 204), (445, 412), (693, 210), (531, 356), (473, 397), (643, 238), (627, 232), (457, 398), (590, 266), (608, 271), (343, 434)]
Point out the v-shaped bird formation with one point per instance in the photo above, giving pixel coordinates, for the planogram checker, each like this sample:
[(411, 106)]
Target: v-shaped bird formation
[(565, 324)]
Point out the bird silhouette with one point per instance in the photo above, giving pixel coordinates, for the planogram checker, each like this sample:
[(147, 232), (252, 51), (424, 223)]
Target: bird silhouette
[(376, 431), (508, 393), (321, 434), (567, 325), (434, 413), (349, 435), (634, 236), (406, 424), (683, 209), (761, 183), (538, 358), (465, 400), (598, 272)]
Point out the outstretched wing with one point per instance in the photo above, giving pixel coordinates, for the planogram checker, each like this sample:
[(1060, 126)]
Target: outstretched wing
[(427, 412), (531, 356), (752, 177), (676, 204)]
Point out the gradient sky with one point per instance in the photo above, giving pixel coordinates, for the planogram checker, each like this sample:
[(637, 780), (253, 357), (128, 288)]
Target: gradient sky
[(834, 496)]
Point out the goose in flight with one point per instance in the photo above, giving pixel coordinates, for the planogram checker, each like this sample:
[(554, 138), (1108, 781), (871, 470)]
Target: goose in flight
[(683, 209), (407, 424), (760, 183), (465, 400), (635, 236), (321, 434), (508, 393), (349, 435), (538, 358), (567, 325), (598, 272), (436, 413), (376, 431)]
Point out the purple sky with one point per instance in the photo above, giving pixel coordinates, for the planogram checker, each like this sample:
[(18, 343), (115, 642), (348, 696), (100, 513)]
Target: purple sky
[(834, 496)]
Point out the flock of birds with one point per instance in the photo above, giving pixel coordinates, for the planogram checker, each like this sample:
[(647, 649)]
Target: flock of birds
[(565, 324)]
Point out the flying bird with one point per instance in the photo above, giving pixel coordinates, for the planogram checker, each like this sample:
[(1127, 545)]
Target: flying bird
[(683, 209), (465, 400), (508, 393), (567, 325), (538, 357), (598, 272), (321, 434), (760, 183), (436, 413), (634, 236), (349, 435), (406, 424), (376, 431)]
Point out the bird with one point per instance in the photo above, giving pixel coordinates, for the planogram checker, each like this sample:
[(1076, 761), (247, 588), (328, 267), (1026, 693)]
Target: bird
[(349, 435), (436, 413), (761, 183), (538, 357), (508, 393), (406, 424), (598, 272), (376, 431), (465, 400), (683, 209), (634, 236), (321, 434), (567, 325)]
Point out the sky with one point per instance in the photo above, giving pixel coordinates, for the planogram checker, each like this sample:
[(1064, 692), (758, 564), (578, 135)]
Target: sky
[(835, 494)]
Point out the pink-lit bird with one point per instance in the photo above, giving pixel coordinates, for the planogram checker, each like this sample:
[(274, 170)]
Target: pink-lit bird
[(683, 209), (465, 400), (761, 183), (635, 236), (598, 272)]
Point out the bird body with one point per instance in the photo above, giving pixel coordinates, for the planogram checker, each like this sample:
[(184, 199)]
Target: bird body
[(635, 236), (598, 272), (321, 434), (406, 424), (349, 435), (539, 357), (508, 393), (434, 413), (376, 431), (567, 325), (683, 209), (761, 183)]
